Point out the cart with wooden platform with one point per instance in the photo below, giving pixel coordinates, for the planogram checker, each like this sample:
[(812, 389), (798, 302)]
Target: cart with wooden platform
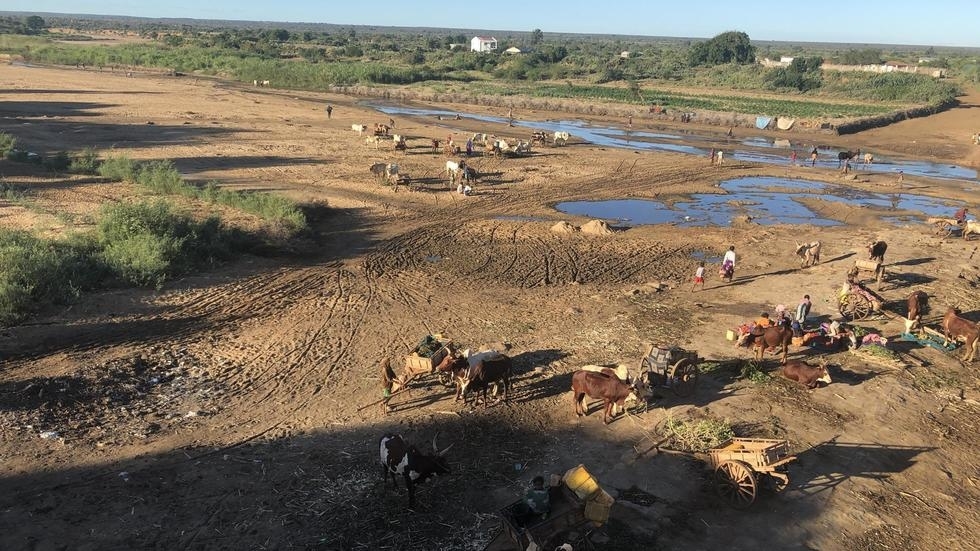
[(741, 464), (671, 367), (578, 505)]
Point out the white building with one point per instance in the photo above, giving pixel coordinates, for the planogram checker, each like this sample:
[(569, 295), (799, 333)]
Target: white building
[(483, 44)]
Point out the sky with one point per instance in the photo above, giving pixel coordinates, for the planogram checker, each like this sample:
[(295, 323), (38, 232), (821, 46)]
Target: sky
[(930, 23)]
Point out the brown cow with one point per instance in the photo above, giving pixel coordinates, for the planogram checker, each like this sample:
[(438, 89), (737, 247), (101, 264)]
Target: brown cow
[(876, 251), (805, 374), (918, 303), (768, 338), (957, 328), (611, 390), (481, 373)]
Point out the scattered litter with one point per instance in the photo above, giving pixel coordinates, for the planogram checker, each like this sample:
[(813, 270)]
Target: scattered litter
[(49, 434)]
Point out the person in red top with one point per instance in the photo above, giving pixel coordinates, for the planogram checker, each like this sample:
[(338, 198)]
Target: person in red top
[(960, 215)]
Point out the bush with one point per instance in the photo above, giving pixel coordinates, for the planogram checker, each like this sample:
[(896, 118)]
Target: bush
[(162, 177), (59, 162), (148, 243), (86, 162), (118, 168), (7, 143), (35, 271)]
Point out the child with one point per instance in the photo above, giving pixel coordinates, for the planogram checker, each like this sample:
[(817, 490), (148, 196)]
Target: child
[(698, 277)]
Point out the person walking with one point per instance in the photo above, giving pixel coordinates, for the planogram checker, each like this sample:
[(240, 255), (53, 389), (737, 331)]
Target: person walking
[(698, 277), (329, 110), (792, 158), (712, 157), (813, 157)]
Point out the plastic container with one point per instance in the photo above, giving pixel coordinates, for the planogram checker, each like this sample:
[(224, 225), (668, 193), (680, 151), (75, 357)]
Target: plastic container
[(730, 335), (597, 508), (581, 482)]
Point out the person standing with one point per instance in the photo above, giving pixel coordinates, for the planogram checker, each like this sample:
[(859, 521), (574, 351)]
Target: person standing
[(469, 147), (721, 157), (803, 310), (813, 157), (792, 158), (712, 157), (698, 277), (329, 110)]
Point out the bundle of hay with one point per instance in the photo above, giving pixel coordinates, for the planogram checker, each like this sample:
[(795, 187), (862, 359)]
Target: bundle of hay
[(597, 227)]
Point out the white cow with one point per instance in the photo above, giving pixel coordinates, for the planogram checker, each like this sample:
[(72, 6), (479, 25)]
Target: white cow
[(359, 128), (561, 137), (265, 83), (453, 170)]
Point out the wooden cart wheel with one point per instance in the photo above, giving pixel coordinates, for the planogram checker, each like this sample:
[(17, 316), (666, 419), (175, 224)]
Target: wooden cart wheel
[(684, 377), (854, 307), (735, 483)]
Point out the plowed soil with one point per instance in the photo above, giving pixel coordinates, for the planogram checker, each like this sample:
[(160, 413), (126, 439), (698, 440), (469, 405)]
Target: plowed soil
[(225, 410)]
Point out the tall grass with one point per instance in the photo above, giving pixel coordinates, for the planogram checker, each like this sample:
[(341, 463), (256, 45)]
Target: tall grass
[(36, 271), (163, 178), (147, 243), (7, 143), (144, 244)]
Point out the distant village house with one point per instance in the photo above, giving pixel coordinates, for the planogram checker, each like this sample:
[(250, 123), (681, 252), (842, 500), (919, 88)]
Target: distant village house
[(483, 44)]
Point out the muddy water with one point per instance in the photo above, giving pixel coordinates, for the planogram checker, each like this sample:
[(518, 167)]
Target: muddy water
[(766, 200), (755, 149)]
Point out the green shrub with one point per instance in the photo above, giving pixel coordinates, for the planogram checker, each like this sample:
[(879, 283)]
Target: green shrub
[(35, 271), (86, 162), (148, 243), (59, 162), (161, 177), (7, 143), (118, 168), (18, 155)]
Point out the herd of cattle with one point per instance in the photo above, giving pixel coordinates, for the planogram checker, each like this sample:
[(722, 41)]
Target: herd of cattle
[(456, 170)]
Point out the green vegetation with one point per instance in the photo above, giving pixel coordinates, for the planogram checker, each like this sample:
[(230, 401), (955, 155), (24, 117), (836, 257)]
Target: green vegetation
[(143, 244), (35, 271), (86, 162), (698, 435), (754, 373), (7, 143), (163, 178), (729, 47), (148, 243), (317, 60)]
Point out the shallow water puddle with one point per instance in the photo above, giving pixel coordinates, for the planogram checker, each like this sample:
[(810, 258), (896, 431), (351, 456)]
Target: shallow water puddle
[(753, 149), (766, 200)]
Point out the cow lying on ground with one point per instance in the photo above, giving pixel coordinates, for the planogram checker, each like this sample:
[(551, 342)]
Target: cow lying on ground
[(809, 253), (610, 389), (805, 374), (918, 301), (398, 457), (769, 338), (876, 251), (957, 328)]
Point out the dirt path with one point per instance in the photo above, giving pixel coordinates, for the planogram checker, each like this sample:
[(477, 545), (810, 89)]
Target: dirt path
[(222, 412)]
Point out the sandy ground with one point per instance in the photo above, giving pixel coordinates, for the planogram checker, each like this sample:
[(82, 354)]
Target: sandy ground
[(222, 412)]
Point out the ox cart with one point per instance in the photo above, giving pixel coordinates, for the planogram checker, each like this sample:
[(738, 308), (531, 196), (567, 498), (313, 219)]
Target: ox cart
[(428, 354), (857, 302), (578, 505), (742, 465), (672, 367), (874, 267)]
